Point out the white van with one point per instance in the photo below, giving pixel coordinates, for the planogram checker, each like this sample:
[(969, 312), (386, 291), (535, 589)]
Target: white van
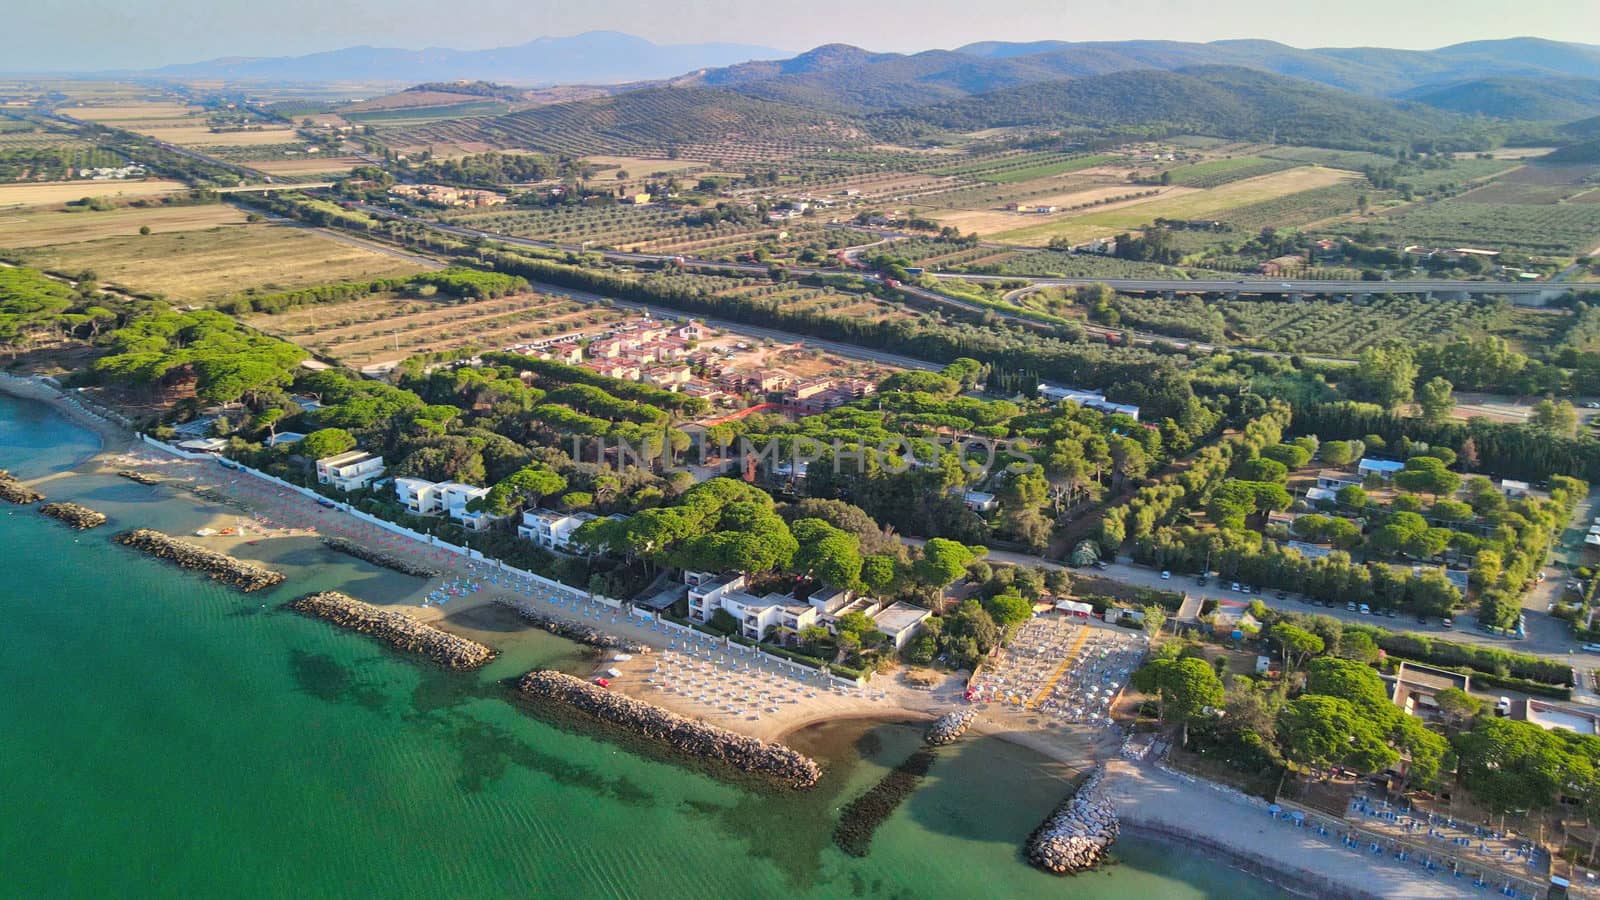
[(1502, 707)]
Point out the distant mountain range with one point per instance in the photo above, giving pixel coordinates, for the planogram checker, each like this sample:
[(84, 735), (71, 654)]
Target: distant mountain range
[(596, 57), (850, 79)]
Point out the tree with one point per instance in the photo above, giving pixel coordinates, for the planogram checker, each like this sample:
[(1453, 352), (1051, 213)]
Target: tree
[(1338, 453), (943, 562), (1296, 644), (1353, 496), (1437, 399), (1154, 619), (1457, 705), (879, 573), (1555, 417), (1319, 731), (1009, 609), (1262, 469), (827, 554), (144, 230), (1427, 475), (1187, 687), (326, 442), (1359, 647), (1382, 375)]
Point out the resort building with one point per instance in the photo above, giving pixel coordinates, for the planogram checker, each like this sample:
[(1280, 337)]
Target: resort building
[(901, 622), (1088, 399), (1555, 718), (454, 497), (1333, 480), (1383, 468), (980, 502), (419, 496), (350, 470), (550, 529), (1414, 686)]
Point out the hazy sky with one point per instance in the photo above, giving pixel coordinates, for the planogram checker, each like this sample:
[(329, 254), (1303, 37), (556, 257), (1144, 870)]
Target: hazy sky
[(101, 34)]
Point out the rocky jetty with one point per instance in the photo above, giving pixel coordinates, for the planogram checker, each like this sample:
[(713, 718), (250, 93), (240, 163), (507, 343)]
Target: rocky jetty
[(1077, 835), (572, 631), (950, 726), (140, 477), (79, 517), (396, 629), (378, 558), (687, 736), (221, 567), (14, 491)]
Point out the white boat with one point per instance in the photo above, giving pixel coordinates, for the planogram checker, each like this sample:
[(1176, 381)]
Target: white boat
[(205, 532), (614, 672), (622, 657)]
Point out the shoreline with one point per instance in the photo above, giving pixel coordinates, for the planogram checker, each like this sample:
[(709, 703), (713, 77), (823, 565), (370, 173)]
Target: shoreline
[(899, 703), (1260, 869)]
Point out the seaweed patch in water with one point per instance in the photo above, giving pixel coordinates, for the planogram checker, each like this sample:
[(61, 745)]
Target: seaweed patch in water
[(864, 814)]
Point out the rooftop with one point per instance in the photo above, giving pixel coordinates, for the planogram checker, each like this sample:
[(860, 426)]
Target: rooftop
[(899, 616)]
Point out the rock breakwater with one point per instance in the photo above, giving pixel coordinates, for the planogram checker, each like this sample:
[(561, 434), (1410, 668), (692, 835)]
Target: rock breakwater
[(14, 491), (140, 477), (950, 726), (687, 736), (1077, 835), (221, 567), (79, 517), (572, 631), (396, 629), (378, 558)]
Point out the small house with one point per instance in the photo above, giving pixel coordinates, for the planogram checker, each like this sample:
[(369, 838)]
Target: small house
[(1382, 468), (351, 470)]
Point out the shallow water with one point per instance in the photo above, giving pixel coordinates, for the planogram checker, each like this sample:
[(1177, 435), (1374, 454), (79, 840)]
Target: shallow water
[(166, 736)]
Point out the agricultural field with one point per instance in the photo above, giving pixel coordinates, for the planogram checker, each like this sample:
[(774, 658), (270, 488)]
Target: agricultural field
[(307, 165), (1320, 327), (196, 266), (1217, 172), (1215, 203), (385, 328), (1541, 210), (37, 227), (1024, 167), (42, 193)]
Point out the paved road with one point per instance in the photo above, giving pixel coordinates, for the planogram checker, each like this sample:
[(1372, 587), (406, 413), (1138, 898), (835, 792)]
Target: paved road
[(1270, 286)]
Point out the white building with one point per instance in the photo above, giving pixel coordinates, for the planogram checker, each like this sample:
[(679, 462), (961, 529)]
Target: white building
[(901, 622), (1334, 480), (351, 470), (454, 497), (550, 529), (419, 496), (1383, 468), (1089, 399), (978, 501)]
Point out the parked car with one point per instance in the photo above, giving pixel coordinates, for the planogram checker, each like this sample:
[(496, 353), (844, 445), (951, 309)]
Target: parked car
[(1448, 622), (1234, 586), (1166, 576), (1502, 707), (1366, 610), (1351, 606), (1591, 648), (1247, 589)]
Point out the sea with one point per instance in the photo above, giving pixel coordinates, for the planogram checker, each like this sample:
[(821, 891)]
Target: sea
[(165, 736)]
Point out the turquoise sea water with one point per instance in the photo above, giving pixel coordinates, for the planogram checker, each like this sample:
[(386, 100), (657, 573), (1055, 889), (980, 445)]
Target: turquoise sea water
[(163, 736)]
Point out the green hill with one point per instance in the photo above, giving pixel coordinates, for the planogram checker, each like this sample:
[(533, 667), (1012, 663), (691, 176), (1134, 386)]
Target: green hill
[(1219, 101), (1516, 97), (649, 121)]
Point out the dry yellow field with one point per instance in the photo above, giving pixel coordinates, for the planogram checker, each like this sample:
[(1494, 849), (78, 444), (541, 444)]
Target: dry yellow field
[(638, 166), (199, 135), (49, 192), (39, 227), (994, 221), (1193, 204), (303, 165), (194, 266)]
